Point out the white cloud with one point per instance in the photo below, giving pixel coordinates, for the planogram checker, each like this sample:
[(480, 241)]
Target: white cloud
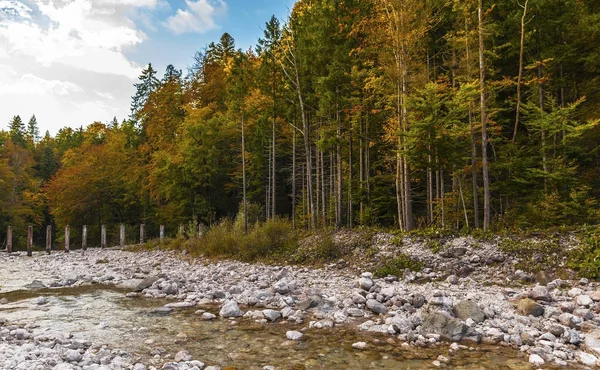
[(30, 84), (80, 34), (66, 61), (11, 9), (198, 17)]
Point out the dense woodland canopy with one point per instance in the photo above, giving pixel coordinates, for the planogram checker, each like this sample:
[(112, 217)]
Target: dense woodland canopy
[(454, 114)]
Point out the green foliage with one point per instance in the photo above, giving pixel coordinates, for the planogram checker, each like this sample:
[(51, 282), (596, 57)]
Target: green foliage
[(263, 241), (586, 257), (534, 255), (435, 246), (397, 266)]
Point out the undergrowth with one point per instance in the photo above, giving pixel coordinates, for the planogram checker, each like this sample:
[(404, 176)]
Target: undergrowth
[(396, 266)]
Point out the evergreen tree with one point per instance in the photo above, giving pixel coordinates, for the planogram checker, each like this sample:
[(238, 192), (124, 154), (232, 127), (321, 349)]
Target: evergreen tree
[(17, 130), (147, 85), (33, 131)]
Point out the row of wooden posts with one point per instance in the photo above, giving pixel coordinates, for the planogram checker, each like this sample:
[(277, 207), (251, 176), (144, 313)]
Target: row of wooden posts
[(9, 237)]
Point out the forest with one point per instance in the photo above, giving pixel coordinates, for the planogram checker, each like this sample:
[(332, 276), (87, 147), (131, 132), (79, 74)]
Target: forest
[(405, 114)]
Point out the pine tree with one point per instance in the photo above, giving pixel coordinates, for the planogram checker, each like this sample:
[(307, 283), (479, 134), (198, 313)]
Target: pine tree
[(33, 131), (17, 130), (147, 85)]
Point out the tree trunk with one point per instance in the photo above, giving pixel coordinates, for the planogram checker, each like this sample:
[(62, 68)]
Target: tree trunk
[(294, 178), (307, 149), (408, 211), (273, 171), (541, 107), (520, 76), (473, 141), (268, 188), (244, 177), (484, 136), (350, 179), (338, 213)]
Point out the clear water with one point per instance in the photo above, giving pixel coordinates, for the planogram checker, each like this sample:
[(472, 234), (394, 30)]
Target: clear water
[(240, 344)]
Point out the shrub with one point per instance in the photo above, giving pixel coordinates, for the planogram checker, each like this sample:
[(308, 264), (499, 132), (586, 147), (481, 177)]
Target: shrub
[(396, 266), (586, 258), (226, 239)]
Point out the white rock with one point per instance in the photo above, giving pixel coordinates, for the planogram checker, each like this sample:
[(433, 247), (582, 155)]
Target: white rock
[(294, 335), (230, 309), (180, 305), (536, 359), (574, 292), (359, 345), (208, 316), (586, 358), (584, 300)]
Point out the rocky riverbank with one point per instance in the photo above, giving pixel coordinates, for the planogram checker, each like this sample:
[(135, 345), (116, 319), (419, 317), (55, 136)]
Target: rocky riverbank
[(555, 323)]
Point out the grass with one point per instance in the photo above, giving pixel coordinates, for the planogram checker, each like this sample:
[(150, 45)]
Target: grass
[(271, 241), (396, 266)]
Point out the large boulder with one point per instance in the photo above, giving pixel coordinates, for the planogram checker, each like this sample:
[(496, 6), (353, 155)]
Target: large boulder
[(376, 306), (365, 283), (540, 293), (528, 307), (230, 309), (468, 310), (447, 328)]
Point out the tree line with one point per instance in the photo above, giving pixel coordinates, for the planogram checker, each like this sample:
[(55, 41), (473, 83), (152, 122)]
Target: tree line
[(398, 113)]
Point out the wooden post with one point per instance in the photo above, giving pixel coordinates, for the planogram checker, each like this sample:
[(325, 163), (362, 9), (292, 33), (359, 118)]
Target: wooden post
[(29, 240), (103, 236), (67, 239), (84, 239), (48, 239), (142, 233), (122, 236), (9, 239), (180, 230), (162, 233)]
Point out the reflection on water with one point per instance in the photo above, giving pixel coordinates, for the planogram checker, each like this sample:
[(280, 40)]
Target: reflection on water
[(104, 316)]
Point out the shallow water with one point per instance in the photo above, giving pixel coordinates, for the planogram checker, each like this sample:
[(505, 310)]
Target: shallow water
[(104, 315)]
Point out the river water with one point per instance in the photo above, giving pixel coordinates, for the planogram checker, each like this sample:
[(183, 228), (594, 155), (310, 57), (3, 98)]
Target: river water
[(104, 315)]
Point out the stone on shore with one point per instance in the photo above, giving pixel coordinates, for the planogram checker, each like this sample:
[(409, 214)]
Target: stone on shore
[(230, 309), (294, 335), (528, 307)]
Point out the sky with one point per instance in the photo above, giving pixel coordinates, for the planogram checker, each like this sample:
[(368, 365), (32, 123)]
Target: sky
[(73, 62)]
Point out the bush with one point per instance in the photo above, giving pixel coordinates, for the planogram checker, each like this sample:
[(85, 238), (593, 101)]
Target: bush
[(397, 266), (586, 258), (225, 239)]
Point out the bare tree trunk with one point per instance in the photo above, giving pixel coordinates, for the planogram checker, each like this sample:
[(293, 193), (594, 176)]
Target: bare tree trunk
[(307, 148), (323, 190), (294, 179), (408, 211), (268, 187), (273, 171), (350, 179), (429, 187), (244, 177), (318, 189), (484, 136), (541, 107), (332, 184), (473, 141), (443, 198), (361, 170), (338, 213), (520, 76), (462, 200)]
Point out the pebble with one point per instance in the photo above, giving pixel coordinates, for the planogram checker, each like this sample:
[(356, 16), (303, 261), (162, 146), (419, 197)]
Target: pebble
[(359, 345), (294, 335)]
